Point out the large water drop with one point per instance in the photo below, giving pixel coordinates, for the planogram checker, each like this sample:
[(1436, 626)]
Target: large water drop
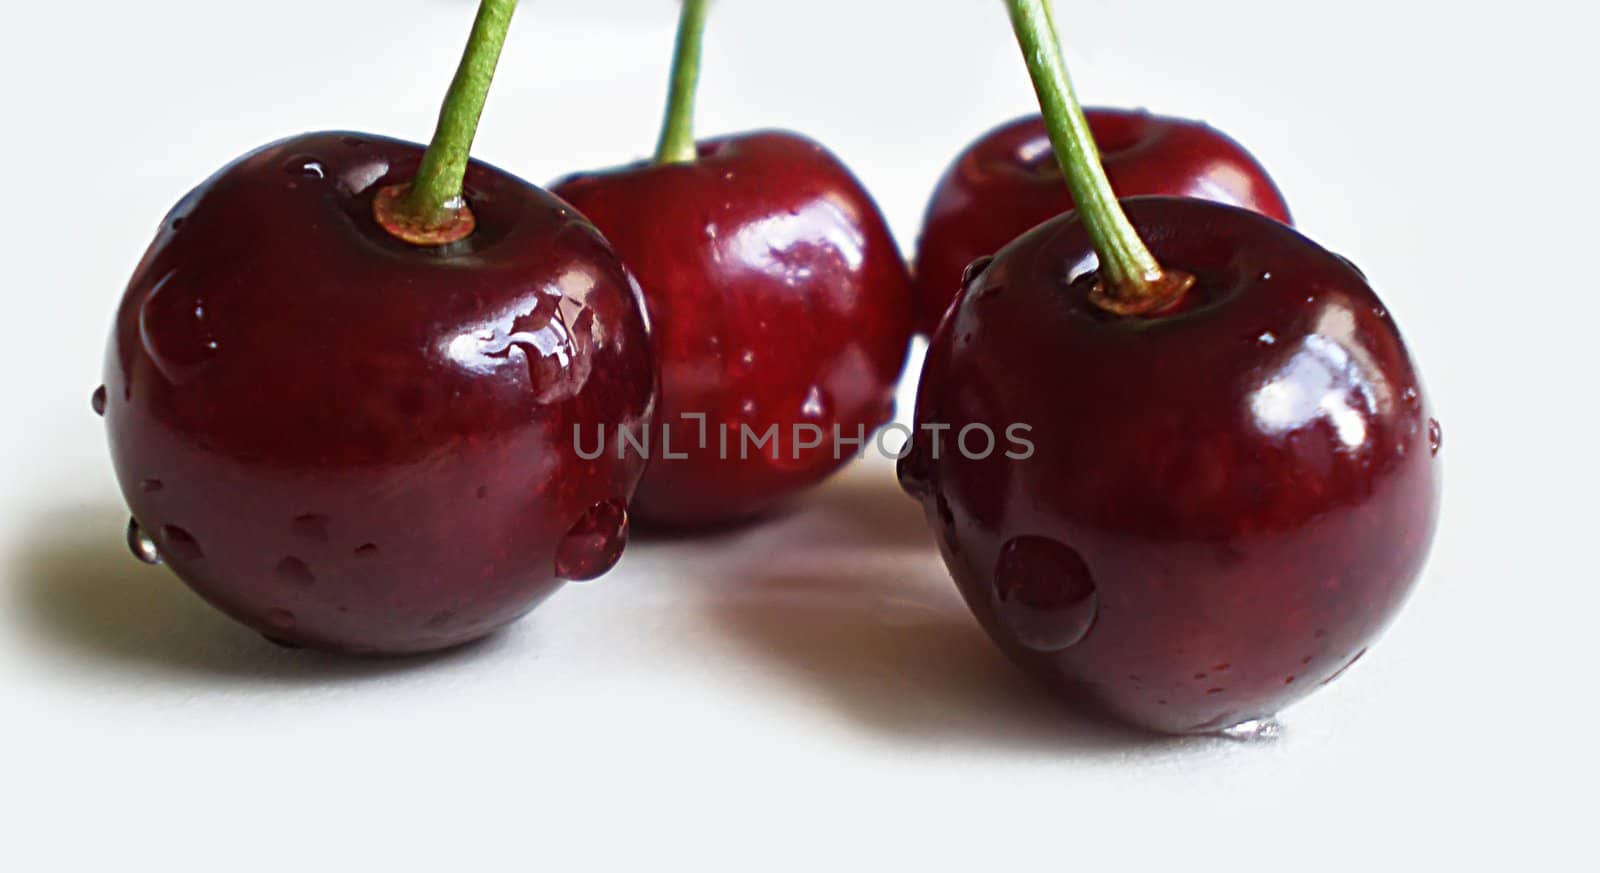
[(1044, 593), (594, 542)]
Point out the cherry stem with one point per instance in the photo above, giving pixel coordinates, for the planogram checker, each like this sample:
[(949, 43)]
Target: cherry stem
[(1131, 280), (676, 145), (431, 211)]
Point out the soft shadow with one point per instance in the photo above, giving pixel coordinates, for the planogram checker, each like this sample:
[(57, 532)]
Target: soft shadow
[(78, 589), (852, 603), (899, 654)]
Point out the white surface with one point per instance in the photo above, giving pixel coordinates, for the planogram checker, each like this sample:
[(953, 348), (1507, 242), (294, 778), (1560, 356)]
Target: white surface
[(807, 694)]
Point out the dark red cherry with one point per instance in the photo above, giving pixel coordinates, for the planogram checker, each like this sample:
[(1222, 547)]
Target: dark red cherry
[(1223, 505), (353, 443), (1008, 181), (779, 305)]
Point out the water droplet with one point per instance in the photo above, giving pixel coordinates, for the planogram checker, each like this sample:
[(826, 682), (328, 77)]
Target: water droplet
[(175, 329), (180, 543), (141, 545), (305, 166), (594, 542), (1347, 665), (1266, 276), (913, 473), (177, 223), (1267, 338), (279, 619), (1044, 593), (310, 527), (975, 269), (1435, 436), (552, 342), (1352, 265), (97, 400), (295, 571), (808, 441), (367, 551), (1253, 730), (440, 619), (151, 486)]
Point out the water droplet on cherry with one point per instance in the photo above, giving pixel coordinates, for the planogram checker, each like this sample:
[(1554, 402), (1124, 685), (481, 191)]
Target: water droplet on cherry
[(310, 527), (975, 269), (282, 620), (439, 619), (1347, 665), (367, 551), (913, 473), (594, 542), (97, 400), (180, 543), (175, 332), (141, 544), (1253, 730), (1435, 436), (295, 571), (1352, 265), (1044, 593), (743, 363), (305, 166)]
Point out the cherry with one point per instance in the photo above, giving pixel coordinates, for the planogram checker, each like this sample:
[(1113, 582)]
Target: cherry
[(1231, 482), (1008, 181), (778, 300), (349, 440)]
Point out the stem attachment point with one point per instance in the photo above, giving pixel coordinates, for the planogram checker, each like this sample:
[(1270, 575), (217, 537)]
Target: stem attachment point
[(1131, 282), (1161, 292), (430, 210), (394, 211)]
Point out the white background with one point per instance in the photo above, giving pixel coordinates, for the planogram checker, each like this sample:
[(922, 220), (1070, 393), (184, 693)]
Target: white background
[(807, 694)]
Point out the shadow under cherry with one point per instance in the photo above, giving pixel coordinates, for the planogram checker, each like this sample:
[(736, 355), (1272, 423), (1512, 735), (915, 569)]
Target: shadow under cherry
[(79, 591)]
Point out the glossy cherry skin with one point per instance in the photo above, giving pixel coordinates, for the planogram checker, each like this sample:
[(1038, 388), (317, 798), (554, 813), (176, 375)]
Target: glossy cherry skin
[(351, 443), (777, 298), (1224, 505), (1008, 181)]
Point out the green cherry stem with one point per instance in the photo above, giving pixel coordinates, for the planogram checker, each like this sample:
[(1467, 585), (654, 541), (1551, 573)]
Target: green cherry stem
[(431, 211), (1131, 281), (676, 145)]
